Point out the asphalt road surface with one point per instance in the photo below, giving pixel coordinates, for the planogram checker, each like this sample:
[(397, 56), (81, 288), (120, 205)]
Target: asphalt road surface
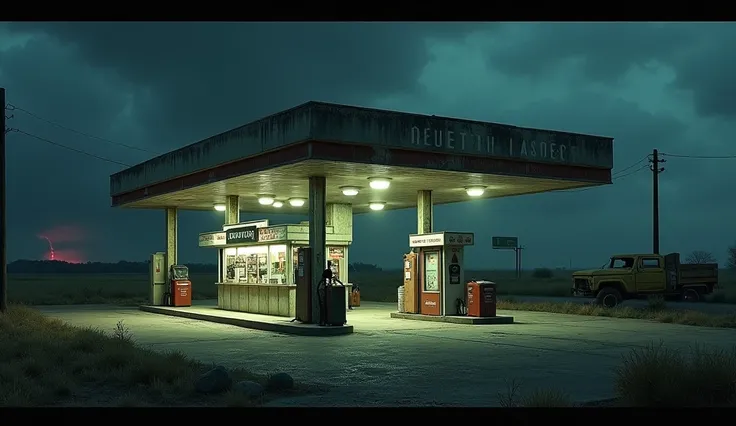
[(394, 362), (711, 308)]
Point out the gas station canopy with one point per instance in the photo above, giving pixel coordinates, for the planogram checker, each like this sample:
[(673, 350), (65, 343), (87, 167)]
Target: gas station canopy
[(275, 157)]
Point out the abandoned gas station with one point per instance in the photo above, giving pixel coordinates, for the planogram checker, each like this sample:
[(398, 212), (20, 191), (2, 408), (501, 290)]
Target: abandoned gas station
[(331, 162)]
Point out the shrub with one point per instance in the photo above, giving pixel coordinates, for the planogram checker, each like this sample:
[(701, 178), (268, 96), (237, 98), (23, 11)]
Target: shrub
[(660, 377), (543, 273)]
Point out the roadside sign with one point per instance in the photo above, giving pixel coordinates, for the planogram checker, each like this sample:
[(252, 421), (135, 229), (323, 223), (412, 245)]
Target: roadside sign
[(505, 242)]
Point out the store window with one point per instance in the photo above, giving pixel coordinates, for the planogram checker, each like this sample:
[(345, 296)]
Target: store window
[(231, 268), (251, 265), (277, 259)]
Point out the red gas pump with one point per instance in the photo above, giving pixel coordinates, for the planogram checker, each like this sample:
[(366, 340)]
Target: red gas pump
[(181, 287)]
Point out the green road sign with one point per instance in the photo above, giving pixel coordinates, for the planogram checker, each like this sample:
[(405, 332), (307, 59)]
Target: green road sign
[(505, 242)]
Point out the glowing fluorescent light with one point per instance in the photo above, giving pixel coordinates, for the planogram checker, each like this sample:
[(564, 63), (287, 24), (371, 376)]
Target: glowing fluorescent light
[(377, 206), (278, 204), (350, 191), (220, 207), (380, 183), (296, 202), (265, 200), (475, 191)]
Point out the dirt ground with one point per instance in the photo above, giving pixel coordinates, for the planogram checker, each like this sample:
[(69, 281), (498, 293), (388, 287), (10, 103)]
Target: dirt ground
[(411, 363)]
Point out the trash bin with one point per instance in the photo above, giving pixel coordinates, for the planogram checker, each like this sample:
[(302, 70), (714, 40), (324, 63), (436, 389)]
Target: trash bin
[(481, 299)]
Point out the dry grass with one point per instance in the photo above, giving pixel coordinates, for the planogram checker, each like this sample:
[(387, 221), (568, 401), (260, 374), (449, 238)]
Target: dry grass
[(45, 362), (537, 398), (660, 377), (655, 312)]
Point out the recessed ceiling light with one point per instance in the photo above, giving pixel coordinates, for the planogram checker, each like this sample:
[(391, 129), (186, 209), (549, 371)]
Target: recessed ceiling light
[(296, 202), (350, 191), (265, 200), (475, 191), (220, 207), (278, 204), (377, 206), (379, 183)]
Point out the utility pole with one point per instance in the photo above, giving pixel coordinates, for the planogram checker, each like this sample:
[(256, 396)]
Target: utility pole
[(656, 170), (3, 211)]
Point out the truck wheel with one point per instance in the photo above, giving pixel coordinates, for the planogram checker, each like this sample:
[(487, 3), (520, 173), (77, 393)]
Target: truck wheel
[(608, 297), (690, 295)]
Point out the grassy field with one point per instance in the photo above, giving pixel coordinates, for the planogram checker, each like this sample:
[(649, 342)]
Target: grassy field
[(382, 286), (45, 362), (133, 289)]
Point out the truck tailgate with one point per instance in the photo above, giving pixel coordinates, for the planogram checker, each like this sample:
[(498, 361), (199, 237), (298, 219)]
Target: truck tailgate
[(706, 273)]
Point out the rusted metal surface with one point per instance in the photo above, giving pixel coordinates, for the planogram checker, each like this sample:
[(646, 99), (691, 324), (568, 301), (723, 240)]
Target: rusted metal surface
[(383, 132), (345, 164)]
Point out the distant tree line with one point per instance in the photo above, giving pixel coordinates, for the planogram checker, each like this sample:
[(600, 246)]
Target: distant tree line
[(123, 267)]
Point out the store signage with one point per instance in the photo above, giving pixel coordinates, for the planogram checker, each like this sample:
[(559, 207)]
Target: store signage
[(242, 234), (426, 240), (212, 239), (256, 223), (441, 239), (540, 145), (276, 233), (459, 239)]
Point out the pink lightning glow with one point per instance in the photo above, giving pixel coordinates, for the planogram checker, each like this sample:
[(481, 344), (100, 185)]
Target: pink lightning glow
[(51, 247), (64, 235)]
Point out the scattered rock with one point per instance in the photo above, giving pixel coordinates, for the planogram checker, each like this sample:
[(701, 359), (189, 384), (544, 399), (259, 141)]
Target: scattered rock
[(214, 381), (280, 381), (249, 389)]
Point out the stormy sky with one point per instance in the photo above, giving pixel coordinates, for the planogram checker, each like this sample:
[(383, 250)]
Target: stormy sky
[(160, 86)]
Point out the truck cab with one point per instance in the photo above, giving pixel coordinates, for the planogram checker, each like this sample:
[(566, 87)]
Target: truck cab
[(627, 276)]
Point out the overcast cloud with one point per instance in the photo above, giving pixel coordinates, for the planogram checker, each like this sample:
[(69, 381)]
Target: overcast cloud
[(162, 86)]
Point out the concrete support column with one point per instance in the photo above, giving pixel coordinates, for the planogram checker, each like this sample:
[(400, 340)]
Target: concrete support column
[(340, 218), (232, 210), (425, 212), (317, 237), (172, 231)]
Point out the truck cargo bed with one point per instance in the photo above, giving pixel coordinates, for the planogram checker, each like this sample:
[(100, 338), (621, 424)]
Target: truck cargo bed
[(705, 273)]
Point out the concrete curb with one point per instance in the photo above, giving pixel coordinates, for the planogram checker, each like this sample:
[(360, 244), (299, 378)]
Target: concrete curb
[(295, 329), (454, 319)]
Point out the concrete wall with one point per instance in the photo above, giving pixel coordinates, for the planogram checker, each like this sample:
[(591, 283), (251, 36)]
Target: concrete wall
[(381, 129)]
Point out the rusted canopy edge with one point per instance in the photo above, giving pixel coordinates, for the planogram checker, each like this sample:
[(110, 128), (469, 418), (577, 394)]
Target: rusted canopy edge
[(367, 155)]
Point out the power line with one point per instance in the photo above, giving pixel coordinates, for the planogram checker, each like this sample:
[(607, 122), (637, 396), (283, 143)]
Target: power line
[(79, 151), (12, 107), (700, 157), (620, 176), (632, 166)]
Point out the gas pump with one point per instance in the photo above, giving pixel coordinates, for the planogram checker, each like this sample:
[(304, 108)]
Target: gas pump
[(331, 292), (180, 286), (157, 279), (304, 285), (441, 290), (411, 283)]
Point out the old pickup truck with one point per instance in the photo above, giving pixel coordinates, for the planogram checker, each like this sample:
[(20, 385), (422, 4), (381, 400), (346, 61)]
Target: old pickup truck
[(631, 276)]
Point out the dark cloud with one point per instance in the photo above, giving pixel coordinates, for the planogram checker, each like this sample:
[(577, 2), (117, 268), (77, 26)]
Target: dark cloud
[(163, 85)]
